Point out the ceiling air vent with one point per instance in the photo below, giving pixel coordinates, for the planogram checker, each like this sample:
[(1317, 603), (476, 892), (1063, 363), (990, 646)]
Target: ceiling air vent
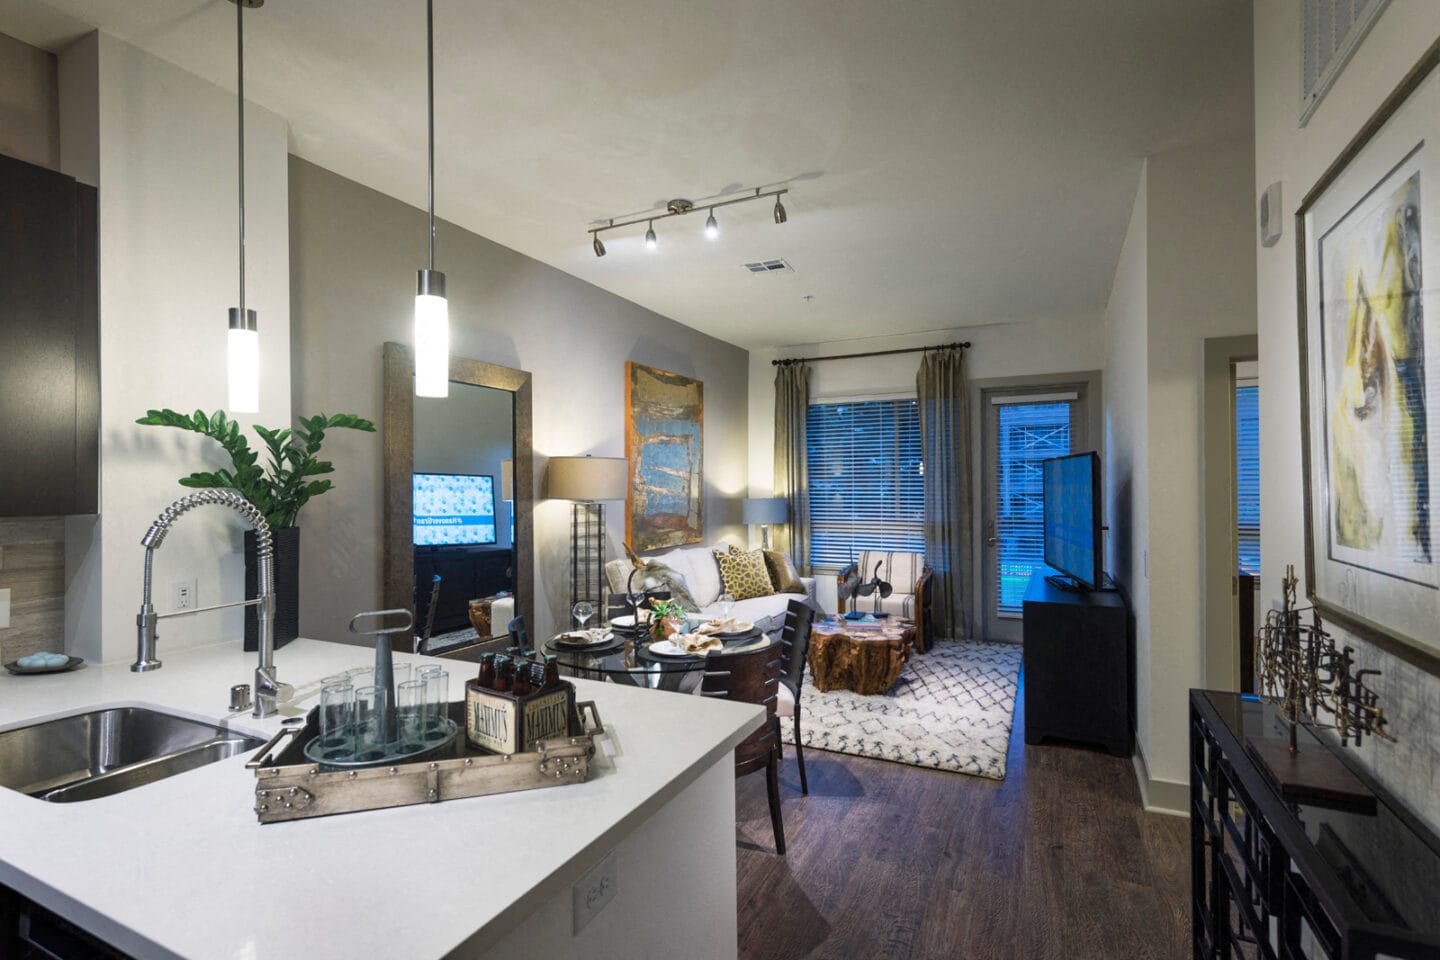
[(769, 266)]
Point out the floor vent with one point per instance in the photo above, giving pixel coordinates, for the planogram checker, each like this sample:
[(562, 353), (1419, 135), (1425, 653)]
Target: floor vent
[(769, 266)]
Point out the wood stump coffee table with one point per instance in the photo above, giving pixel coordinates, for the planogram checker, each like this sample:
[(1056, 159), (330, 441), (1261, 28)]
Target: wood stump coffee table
[(864, 656)]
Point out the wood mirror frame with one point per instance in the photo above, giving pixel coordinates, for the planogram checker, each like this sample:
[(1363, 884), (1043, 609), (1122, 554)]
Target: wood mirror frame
[(398, 588)]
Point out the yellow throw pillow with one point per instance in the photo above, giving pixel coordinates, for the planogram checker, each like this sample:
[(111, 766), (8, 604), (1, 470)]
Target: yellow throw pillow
[(743, 574)]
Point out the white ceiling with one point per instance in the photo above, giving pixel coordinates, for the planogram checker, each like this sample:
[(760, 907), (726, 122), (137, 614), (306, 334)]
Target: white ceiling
[(952, 162)]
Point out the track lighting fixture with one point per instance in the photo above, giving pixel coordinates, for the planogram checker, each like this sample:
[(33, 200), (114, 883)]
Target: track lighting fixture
[(432, 310), (680, 207), (242, 347)]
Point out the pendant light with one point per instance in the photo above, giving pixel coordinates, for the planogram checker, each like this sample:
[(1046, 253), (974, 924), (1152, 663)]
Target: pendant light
[(242, 347), (432, 310)]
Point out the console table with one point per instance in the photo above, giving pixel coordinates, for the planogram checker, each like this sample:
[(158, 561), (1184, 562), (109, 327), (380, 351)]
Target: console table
[(1273, 879)]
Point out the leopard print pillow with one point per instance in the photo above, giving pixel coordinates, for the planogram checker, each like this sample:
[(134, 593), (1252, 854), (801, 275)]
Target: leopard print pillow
[(743, 573)]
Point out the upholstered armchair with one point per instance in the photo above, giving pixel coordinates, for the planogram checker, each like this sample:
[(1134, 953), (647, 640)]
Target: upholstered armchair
[(908, 576)]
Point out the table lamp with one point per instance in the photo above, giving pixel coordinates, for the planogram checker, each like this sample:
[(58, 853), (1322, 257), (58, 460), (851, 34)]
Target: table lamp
[(764, 511)]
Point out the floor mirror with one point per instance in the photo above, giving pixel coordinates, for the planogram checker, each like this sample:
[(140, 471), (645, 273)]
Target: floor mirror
[(459, 502)]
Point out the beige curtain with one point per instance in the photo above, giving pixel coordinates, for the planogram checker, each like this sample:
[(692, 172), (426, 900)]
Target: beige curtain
[(792, 481), (945, 446)]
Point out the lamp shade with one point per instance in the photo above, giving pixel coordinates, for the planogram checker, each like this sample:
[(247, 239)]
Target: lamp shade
[(764, 510), (589, 478)]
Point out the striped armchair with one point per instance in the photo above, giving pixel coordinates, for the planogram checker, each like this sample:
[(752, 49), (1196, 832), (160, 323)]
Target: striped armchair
[(908, 575)]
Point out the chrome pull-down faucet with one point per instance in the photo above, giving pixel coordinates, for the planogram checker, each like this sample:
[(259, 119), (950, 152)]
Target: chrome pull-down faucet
[(267, 687)]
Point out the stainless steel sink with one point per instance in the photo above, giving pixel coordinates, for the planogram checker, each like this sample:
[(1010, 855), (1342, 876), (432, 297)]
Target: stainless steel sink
[(104, 752)]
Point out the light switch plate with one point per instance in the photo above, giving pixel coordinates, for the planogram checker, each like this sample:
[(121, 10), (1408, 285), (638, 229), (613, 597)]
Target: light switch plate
[(4, 608), (593, 891)]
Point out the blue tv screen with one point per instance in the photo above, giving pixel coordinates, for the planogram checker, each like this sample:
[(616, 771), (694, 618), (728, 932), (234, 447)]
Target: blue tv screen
[(452, 509), (1072, 517)]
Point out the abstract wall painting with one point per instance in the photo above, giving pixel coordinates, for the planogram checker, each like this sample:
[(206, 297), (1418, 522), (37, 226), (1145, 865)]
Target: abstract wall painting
[(1370, 387), (664, 441)]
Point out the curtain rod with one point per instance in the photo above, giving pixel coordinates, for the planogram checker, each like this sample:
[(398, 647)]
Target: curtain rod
[(963, 345)]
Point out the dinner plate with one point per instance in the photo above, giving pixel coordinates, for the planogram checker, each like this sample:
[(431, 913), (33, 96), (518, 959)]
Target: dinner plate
[(628, 620), (667, 650), (14, 667), (610, 642)]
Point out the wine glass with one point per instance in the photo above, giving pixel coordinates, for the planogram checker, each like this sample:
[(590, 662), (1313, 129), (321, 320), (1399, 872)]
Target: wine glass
[(726, 603), (582, 611)]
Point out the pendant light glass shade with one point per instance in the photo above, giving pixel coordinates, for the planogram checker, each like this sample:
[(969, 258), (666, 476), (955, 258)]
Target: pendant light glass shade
[(432, 310), (432, 336), (243, 364)]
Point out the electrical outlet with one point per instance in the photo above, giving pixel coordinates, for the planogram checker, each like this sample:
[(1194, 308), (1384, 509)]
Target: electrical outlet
[(5, 608), (183, 593), (594, 891)]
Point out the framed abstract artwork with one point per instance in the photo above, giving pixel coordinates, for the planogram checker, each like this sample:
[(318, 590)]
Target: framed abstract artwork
[(664, 441), (1368, 270)]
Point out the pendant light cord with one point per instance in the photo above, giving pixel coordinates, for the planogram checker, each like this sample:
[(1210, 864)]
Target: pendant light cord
[(240, 99), (430, 110)]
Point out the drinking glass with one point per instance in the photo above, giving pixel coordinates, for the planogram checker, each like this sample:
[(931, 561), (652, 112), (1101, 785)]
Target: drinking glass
[(582, 611), (437, 699), (402, 672), (337, 720), (367, 726), (410, 714), (726, 603)]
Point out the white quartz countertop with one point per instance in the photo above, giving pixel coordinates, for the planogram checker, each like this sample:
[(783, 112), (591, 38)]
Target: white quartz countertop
[(181, 867)]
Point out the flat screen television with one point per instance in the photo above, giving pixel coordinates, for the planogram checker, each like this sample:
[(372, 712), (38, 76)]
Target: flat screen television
[(1072, 518), (453, 509)]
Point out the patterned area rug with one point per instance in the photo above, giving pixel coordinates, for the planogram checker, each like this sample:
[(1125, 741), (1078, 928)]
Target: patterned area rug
[(951, 709)]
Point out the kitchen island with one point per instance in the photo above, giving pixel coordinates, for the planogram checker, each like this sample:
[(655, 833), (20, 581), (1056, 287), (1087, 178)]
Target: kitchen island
[(181, 867)]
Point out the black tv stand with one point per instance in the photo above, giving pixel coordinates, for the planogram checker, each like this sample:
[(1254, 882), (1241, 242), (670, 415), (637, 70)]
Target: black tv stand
[(1079, 666)]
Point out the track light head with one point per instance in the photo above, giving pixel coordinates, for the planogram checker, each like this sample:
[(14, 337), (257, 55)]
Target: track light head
[(712, 229), (599, 247), (780, 216), (650, 241)]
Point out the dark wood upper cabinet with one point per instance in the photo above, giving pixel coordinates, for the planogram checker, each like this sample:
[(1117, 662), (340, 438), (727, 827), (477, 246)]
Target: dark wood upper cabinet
[(49, 343)]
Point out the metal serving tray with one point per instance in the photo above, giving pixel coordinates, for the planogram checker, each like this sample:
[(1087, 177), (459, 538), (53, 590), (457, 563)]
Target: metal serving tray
[(290, 786)]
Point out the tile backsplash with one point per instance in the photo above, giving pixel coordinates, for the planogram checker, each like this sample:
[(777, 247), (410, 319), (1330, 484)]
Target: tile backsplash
[(32, 568)]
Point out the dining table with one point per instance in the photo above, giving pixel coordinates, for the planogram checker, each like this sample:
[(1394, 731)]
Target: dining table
[(625, 656)]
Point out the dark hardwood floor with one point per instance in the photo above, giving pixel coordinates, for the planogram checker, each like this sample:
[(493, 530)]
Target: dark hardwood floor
[(892, 861)]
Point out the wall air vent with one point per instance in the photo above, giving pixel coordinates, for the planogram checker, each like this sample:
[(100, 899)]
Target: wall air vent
[(1333, 31), (769, 266)]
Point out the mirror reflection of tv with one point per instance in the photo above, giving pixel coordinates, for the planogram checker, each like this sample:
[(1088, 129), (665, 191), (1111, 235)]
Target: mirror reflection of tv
[(1072, 518), (453, 509)]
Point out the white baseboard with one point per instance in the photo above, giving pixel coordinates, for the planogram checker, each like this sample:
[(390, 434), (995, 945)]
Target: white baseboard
[(1169, 797)]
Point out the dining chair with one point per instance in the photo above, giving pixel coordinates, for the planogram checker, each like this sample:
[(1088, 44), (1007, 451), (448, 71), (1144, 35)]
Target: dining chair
[(753, 677), (794, 642)]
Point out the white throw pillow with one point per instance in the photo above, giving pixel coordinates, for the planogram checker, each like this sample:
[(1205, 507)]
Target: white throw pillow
[(703, 575)]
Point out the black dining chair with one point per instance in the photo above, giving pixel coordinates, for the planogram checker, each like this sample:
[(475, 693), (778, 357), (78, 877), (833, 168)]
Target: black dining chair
[(753, 677), (794, 643)]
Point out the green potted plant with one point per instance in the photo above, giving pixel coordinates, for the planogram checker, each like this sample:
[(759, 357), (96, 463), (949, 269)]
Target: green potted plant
[(278, 489)]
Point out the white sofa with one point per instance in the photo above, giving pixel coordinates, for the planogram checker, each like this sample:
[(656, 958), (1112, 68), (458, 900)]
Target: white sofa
[(697, 567)]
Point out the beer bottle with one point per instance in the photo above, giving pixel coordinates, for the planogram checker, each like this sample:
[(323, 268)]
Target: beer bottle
[(552, 671), (537, 675), (486, 679), (504, 673), (521, 685)]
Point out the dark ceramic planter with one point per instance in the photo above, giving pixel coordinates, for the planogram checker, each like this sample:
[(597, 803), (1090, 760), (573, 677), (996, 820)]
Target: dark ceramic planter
[(286, 544)]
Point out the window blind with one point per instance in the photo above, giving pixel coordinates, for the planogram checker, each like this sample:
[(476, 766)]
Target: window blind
[(1247, 476), (1029, 433), (866, 486)]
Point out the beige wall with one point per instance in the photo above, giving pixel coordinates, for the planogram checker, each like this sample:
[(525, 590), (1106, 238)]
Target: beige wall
[(29, 103), (1127, 437), (1296, 158), (354, 256), (160, 145)]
